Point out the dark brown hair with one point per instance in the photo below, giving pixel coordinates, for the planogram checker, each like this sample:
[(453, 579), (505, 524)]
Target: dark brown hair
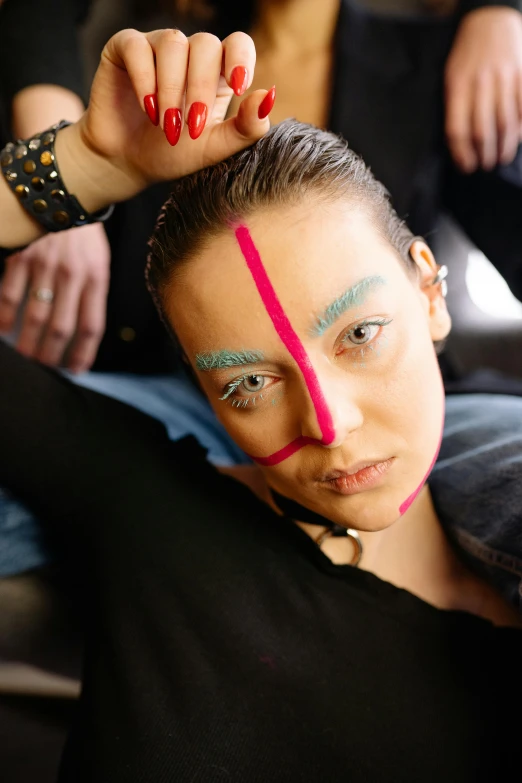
[(293, 161)]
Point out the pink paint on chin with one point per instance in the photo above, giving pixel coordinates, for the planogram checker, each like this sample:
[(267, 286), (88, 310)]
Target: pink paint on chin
[(409, 500), (294, 346)]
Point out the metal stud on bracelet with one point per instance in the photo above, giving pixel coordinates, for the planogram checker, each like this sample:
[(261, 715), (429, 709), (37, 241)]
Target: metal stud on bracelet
[(31, 170)]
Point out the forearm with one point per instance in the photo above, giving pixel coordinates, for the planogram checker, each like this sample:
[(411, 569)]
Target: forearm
[(38, 107)]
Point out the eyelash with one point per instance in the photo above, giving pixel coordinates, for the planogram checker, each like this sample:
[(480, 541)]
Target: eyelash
[(359, 350)]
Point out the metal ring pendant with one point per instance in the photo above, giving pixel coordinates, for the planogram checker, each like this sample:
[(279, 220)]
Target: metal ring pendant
[(348, 532)]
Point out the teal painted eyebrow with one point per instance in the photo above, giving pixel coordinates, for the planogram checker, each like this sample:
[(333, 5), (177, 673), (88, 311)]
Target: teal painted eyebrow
[(351, 298), (219, 360)]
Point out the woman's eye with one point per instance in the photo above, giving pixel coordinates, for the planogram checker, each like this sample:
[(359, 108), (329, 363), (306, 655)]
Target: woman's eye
[(253, 383), (362, 334), (246, 387)]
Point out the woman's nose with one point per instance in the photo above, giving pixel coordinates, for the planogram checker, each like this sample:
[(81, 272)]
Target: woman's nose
[(332, 418)]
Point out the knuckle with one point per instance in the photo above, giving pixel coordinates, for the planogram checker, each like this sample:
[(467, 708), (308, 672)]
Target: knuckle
[(8, 299), (171, 84), (207, 39), (482, 75), (65, 273), (503, 127), (505, 72), (89, 332), (59, 332), (174, 37), (15, 259), (42, 263), (35, 320), (206, 85), (457, 135)]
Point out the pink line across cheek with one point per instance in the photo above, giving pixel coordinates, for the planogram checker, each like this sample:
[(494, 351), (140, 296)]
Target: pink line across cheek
[(293, 345), (409, 500)]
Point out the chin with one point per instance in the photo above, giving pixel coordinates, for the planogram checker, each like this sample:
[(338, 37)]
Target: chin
[(370, 511)]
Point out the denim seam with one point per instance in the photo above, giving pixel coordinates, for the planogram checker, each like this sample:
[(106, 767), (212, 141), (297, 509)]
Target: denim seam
[(487, 554)]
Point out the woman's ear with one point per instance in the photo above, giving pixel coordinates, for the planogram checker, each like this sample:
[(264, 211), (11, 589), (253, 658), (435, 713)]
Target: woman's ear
[(430, 292)]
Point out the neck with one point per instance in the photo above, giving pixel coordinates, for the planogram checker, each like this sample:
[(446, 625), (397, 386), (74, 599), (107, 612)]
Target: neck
[(413, 553), (295, 26)]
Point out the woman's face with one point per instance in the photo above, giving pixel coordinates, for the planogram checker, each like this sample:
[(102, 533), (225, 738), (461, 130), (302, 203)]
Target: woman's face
[(315, 350)]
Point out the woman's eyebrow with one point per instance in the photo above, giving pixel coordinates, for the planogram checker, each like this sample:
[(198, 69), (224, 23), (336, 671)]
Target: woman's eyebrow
[(219, 360), (352, 297)]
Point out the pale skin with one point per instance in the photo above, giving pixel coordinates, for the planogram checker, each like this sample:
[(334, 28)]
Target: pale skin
[(388, 406)]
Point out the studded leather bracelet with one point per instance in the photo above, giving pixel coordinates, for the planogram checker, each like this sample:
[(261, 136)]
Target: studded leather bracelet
[(32, 172)]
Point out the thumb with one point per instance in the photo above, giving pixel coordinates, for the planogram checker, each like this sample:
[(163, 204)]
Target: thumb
[(237, 133)]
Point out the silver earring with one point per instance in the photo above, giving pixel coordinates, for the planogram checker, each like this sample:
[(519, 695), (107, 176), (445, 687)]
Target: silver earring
[(440, 279)]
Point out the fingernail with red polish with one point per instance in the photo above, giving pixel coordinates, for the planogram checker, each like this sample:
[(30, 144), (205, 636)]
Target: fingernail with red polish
[(239, 79), (267, 104), (151, 107), (172, 125), (197, 118)]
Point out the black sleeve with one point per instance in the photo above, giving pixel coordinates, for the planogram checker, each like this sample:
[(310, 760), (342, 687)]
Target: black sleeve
[(465, 6), (39, 45), (70, 453)]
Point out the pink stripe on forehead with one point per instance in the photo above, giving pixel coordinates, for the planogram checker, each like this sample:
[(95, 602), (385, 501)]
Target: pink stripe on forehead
[(292, 343)]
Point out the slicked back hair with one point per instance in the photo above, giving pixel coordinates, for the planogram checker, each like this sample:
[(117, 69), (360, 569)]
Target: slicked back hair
[(291, 162)]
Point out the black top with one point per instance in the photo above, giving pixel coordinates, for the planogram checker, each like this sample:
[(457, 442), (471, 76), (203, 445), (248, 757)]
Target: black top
[(222, 644)]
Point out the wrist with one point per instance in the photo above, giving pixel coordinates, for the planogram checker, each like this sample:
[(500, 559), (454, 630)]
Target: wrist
[(94, 180)]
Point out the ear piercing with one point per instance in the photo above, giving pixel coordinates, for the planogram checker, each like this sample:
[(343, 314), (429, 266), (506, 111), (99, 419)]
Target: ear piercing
[(440, 279)]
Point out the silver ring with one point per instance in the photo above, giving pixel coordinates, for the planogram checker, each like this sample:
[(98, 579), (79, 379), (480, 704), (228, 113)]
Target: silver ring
[(350, 533), (44, 295)]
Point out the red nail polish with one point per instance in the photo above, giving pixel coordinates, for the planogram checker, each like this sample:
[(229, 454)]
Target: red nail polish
[(267, 104), (197, 118), (239, 79), (172, 125), (151, 107)]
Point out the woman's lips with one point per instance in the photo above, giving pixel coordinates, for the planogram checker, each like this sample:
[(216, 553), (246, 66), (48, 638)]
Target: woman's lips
[(349, 483)]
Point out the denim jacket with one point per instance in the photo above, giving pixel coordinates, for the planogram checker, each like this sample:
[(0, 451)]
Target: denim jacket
[(476, 486)]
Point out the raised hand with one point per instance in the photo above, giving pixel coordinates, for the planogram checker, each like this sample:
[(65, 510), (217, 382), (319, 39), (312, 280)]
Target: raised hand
[(484, 89), (183, 84), (116, 149)]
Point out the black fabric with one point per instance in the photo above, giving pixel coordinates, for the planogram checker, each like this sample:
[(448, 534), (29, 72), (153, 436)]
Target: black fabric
[(222, 644), (40, 45)]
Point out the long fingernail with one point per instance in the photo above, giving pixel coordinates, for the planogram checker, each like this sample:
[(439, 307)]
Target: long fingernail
[(197, 118), (172, 125), (151, 107), (239, 79), (267, 104)]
